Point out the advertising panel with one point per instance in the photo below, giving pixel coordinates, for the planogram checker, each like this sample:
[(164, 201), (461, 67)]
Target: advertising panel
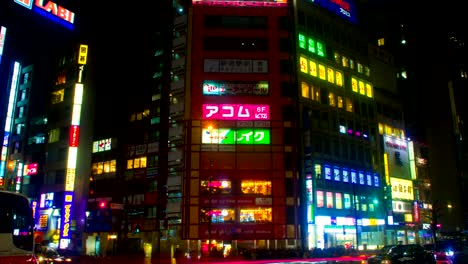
[(398, 158), (51, 10), (235, 88), (259, 136), (402, 189), (346, 9)]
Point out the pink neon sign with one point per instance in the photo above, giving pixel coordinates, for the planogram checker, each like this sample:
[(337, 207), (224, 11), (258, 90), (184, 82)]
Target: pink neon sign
[(236, 112)]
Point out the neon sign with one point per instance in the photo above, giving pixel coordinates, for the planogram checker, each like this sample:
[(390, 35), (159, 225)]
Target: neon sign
[(243, 136), (236, 112), (235, 88), (344, 9), (50, 10), (74, 136), (241, 2), (66, 217)]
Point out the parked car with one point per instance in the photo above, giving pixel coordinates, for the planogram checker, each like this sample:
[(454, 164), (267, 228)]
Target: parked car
[(398, 254), (48, 255)]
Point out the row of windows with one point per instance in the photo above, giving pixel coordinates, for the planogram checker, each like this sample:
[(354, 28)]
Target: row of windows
[(326, 31), (109, 166), (312, 92), (345, 175), (256, 187), (331, 200), (326, 73), (253, 215)]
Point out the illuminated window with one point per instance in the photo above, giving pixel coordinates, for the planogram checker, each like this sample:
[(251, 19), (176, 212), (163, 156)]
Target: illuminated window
[(129, 164), (94, 168), (331, 75), (369, 179), (329, 200), (369, 92), (320, 49), (302, 41), (217, 215), (57, 96), (315, 93), (312, 68), (347, 201), (353, 177), (331, 99), (381, 42), (142, 162), (351, 64), (336, 174), (349, 105), (311, 45), (361, 178), (100, 168), (339, 78), (303, 64), (257, 215), (344, 61), (61, 78), (305, 90), (366, 71), (215, 186), (320, 202), (340, 101), (376, 180), (371, 207), (54, 135), (362, 88), (328, 173), (338, 201), (363, 203), (256, 187), (322, 72), (318, 171), (337, 57), (345, 175), (359, 67), (354, 85)]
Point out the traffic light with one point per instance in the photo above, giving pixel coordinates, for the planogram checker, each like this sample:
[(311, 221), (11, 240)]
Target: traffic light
[(102, 204), (137, 228)]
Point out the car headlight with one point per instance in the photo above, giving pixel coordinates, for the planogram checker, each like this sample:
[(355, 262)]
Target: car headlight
[(41, 258), (386, 261)]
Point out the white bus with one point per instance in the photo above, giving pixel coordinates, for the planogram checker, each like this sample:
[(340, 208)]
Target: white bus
[(16, 229)]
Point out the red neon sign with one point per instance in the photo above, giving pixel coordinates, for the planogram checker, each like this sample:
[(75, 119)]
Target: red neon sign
[(74, 136), (56, 10)]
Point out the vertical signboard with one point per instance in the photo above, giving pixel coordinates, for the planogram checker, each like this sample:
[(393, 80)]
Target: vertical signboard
[(398, 158)]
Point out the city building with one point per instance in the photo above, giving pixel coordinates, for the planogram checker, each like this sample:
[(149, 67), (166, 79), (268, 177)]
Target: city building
[(47, 119)]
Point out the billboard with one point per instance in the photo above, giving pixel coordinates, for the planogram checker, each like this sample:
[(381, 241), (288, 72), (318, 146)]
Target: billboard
[(256, 136), (398, 158), (51, 10), (235, 88), (346, 9), (402, 189)]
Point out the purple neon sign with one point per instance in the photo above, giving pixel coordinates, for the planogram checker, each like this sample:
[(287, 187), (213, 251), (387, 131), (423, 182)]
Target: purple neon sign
[(236, 112)]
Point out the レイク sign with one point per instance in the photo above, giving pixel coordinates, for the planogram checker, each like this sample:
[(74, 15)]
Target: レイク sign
[(236, 112), (257, 136)]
